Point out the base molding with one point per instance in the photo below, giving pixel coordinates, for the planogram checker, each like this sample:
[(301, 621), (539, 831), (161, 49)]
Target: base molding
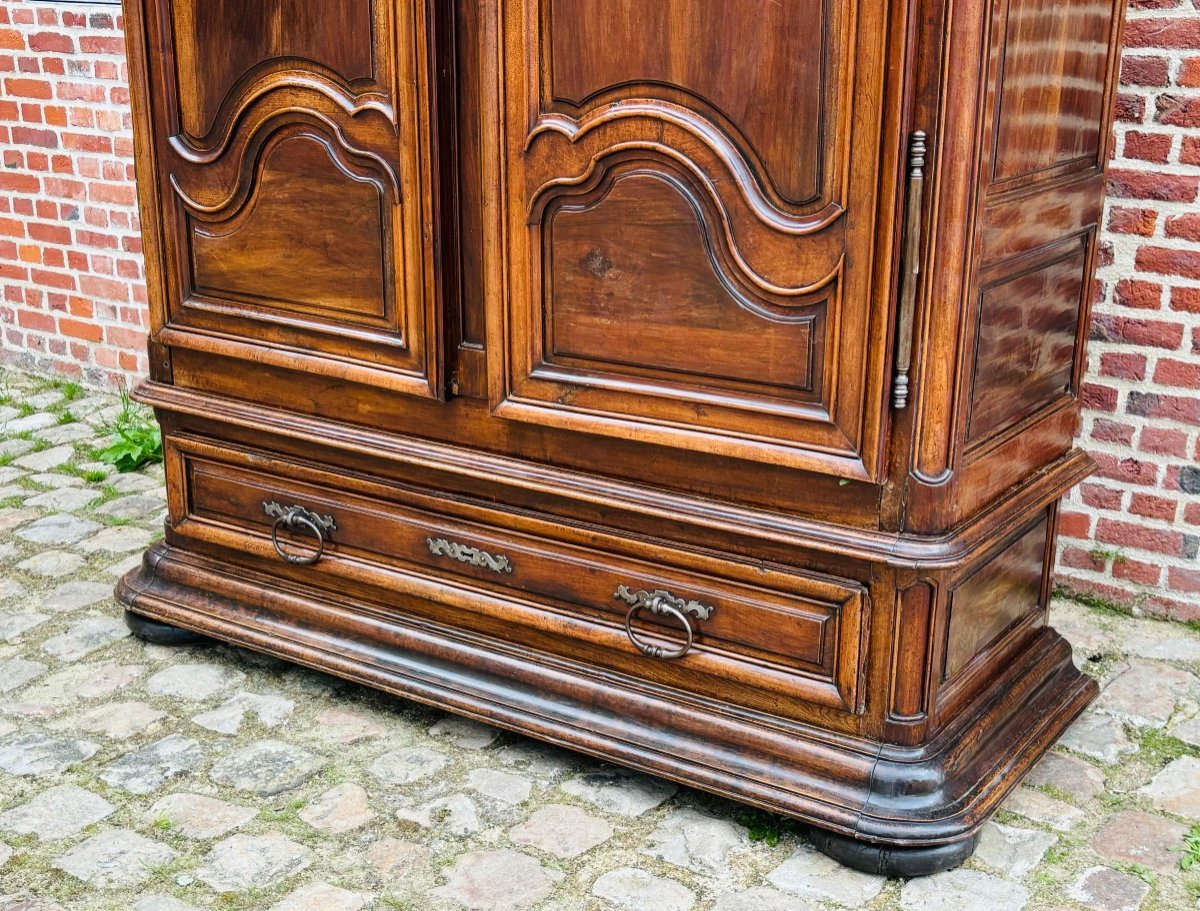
[(877, 801)]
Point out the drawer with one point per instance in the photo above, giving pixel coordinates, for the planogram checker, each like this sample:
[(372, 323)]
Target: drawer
[(763, 637)]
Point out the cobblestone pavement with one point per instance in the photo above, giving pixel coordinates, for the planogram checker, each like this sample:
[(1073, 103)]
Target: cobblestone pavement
[(152, 779)]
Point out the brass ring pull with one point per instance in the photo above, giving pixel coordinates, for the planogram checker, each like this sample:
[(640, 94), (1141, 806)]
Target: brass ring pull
[(661, 604), (298, 519), (654, 651)]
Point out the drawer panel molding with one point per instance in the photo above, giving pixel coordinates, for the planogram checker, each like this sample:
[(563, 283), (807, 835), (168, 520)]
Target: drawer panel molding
[(792, 640)]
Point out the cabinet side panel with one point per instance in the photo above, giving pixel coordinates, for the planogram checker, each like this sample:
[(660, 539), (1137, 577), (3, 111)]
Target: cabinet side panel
[(1051, 104), (1052, 68), (994, 599), (994, 609), (1027, 326), (1044, 115)]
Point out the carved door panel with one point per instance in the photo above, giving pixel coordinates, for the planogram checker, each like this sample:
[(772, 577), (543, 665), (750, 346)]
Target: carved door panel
[(295, 168), (689, 237)]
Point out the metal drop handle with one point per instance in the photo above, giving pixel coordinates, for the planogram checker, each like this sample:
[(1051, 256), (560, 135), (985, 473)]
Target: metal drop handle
[(303, 521), (662, 604)]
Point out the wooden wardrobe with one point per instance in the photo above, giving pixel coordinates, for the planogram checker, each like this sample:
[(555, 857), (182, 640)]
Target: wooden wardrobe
[(688, 382)]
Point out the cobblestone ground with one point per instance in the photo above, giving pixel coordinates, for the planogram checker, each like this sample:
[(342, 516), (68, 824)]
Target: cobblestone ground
[(145, 778)]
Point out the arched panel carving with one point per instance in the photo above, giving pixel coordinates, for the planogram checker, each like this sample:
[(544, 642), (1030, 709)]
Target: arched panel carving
[(667, 284), (689, 224), (310, 237), (759, 70), (224, 180), (225, 48), (297, 167), (766, 260)]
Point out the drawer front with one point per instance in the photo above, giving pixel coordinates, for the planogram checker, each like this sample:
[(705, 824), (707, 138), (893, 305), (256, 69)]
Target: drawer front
[(627, 605)]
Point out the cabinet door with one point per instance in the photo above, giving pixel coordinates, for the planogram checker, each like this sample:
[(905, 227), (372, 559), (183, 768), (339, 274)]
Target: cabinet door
[(688, 245), (293, 154)]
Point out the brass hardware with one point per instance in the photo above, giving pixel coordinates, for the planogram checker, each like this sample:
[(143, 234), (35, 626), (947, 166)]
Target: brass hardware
[(298, 519), (912, 267), (662, 604), (440, 547)]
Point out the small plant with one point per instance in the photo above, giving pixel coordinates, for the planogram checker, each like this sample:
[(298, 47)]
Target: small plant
[(1105, 554), (91, 475), (137, 439), (1144, 873), (1159, 749), (1095, 602), (163, 824), (71, 391), (767, 827), (66, 417), (1190, 852), (1055, 855), (1056, 792), (286, 813)]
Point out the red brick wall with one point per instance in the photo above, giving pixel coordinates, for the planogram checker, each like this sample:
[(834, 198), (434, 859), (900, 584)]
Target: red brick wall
[(70, 254), (73, 300), (1131, 534)]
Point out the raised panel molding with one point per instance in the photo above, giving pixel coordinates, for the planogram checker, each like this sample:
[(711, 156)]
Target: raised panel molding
[(766, 255), (229, 53), (269, 252), (1028, 336), (692, 53), (993, 602), (1051, 98), (675, 184), (222, 182), (779, 255), (911, 652), (668, 272), (298, 154)]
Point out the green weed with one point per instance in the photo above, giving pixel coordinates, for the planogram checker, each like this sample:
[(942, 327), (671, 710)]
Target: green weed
[(1190, 852), (1161, 749), (137, 439), (767, 827)]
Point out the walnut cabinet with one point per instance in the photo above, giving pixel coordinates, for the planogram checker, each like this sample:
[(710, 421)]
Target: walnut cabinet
[(688, 382)]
